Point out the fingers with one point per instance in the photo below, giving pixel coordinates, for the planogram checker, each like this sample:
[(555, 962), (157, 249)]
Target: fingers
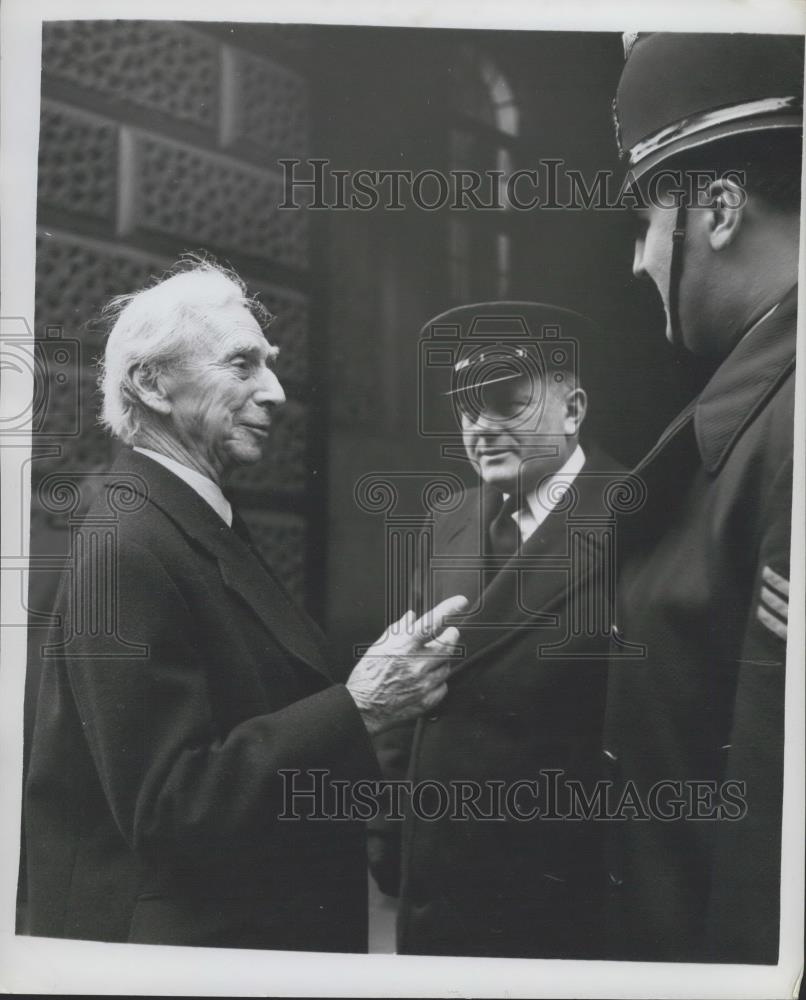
[(403, 625), (433, 620), (437, 651), (446, 642), (397, 630), (449, 638)]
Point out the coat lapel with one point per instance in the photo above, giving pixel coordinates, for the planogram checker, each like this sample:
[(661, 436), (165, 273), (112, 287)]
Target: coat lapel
[(521, 596), (744, 381), (242, 572), (247, 576), (457, 568)]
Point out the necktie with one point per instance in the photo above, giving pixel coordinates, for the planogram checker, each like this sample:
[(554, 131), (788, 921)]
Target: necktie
[(240, 529), (504, 534)]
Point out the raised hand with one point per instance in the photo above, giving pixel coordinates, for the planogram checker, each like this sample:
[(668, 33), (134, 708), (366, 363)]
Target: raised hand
[(404, 673)]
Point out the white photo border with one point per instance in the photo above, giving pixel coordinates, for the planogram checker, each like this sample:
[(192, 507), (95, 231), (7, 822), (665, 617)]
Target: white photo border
[(39, 965)]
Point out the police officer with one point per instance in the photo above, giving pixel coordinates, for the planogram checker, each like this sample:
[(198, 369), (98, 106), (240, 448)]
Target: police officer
[(711, 128)]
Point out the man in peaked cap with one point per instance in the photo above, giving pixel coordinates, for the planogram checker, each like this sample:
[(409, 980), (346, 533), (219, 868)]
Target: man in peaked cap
[(528, 699), (711, 129)]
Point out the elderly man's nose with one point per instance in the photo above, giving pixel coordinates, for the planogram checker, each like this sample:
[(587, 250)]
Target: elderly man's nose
[(486, 422), (270, 390)]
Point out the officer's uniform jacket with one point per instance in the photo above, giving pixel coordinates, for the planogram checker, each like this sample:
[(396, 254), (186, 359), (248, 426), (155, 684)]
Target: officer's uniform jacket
[(515, 707), (153, 800), (704, 589)]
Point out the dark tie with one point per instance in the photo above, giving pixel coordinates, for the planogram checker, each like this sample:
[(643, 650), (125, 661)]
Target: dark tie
[(240, 529), (504, 533)]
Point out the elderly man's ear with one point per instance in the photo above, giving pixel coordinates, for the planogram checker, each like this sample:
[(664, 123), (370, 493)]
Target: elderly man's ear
[(151, 386)]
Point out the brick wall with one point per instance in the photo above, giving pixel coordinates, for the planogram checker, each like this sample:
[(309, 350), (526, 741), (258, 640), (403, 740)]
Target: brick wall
[(155, 139)]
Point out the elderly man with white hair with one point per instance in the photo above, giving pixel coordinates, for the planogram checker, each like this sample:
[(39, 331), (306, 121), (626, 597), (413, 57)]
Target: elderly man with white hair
[(156, 805)]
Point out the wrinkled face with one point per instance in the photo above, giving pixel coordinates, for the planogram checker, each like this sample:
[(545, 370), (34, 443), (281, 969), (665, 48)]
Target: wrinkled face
[(517, 433), (221, 400)]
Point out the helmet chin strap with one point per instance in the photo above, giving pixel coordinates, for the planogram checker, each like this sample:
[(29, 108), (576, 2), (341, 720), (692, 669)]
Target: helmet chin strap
[(675, 273)]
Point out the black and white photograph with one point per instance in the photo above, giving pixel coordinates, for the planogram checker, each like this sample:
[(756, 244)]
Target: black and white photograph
[(403, 462)]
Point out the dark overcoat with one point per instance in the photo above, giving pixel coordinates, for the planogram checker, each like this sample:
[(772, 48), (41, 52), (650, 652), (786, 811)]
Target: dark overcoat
[(153, 797), (528, 700), (704, 593)]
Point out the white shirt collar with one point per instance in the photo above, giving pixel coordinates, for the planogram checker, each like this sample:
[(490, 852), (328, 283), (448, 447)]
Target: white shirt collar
[(203, 485), (547, 495), (760, 320)]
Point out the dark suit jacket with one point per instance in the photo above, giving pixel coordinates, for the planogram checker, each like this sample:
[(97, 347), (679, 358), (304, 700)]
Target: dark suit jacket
[(704, 587), (153, 795), (508, 888)]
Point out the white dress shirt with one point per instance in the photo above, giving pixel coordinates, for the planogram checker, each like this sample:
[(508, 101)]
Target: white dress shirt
[(205, 487), (547, 495)]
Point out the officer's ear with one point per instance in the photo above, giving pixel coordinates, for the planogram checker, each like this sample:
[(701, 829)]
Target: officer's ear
[(576, 406), (728, 199), (151, 387)]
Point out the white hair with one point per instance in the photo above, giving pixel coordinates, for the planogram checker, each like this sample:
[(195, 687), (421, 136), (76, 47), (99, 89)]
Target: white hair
[(156, 329)]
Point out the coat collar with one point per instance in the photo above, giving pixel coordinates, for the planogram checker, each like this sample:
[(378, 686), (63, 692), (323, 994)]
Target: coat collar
[(241, 569), (744, 381), (512, 600), (482, 503), (738, 389)]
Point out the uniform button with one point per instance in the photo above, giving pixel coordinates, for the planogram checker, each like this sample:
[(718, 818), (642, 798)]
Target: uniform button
[(614, 880)]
